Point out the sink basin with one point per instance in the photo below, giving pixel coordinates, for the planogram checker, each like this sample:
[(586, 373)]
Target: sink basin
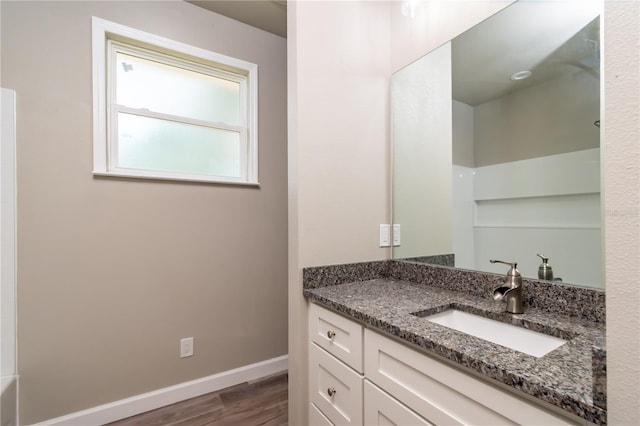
[(511, 336)]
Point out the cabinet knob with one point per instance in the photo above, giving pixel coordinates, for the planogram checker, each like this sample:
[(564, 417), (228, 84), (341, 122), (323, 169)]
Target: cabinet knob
[(331, 391), (331, 334)]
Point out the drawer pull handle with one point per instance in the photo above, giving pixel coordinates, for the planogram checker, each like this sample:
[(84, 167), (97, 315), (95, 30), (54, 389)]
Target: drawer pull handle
[(331, 334), (331, 391)]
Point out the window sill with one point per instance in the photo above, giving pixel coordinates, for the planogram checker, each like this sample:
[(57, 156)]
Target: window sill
[(175, 179)]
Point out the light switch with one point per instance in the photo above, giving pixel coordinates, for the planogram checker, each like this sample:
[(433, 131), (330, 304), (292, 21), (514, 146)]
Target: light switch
[(385, 235)]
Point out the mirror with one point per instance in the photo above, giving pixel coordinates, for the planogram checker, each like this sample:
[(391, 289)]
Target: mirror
[(496, 151)]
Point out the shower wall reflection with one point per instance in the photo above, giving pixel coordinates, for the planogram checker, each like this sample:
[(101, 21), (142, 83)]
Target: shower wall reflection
[(523, 155)]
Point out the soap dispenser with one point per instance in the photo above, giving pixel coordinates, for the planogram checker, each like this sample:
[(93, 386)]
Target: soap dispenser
[(544, 270)]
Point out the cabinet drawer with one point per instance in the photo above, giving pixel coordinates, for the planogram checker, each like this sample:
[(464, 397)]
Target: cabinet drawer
[(336, 334), (334, 388), (316, 418), (443, 394), (382, 409)]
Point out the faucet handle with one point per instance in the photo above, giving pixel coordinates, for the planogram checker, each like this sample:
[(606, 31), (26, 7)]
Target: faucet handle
[(514, 265)]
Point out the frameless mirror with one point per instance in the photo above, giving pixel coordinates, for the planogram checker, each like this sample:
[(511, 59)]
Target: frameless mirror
[(496, 145)]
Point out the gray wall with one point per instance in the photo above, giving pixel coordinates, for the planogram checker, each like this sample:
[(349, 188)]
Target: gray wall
[(555, 117), (462, 135), (113, 272)]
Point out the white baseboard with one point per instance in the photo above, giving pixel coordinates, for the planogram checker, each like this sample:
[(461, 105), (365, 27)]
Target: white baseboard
[(159, 398)]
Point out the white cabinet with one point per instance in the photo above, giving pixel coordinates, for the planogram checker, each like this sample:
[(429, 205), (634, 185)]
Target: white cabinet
[(337, 335), (336, 390), (316, 418), (335, 368), (358, 376), (382, 409), (443, 394)]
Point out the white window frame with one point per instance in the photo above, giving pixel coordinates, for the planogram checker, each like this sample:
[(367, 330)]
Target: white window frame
[(107, 37)]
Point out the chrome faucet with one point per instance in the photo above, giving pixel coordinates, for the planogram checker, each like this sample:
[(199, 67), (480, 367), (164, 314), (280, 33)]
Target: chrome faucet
[(512, 292)]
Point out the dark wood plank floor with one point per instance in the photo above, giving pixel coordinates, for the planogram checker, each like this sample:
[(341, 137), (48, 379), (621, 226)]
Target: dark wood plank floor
[(263, 402)]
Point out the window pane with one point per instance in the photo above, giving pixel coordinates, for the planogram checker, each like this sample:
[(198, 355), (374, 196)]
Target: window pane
[(152, 144), (143, 83)]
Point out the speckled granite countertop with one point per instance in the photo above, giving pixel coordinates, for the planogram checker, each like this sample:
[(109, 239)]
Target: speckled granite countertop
[(570, 377)]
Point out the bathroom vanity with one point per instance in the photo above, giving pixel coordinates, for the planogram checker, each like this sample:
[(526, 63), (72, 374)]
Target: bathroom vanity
[(375, 357)]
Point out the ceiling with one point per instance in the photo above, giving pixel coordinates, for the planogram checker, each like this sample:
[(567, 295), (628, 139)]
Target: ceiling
[(548, 38), (527, 35), (268, 15)]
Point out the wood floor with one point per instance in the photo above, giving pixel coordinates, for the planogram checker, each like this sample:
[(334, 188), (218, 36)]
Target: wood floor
[(262, 402)]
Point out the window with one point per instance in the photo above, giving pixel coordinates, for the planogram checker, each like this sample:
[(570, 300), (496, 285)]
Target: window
[(166, 110)]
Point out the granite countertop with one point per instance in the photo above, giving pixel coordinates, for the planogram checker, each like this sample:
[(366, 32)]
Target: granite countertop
[(565, 377)]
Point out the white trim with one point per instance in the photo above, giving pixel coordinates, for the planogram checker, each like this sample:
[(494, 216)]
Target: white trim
[(176, 119), (103, 30), (133, 173), (252, 124), (159, 398), (8, 233), (102, 27), (540, 226), (99, 73), (8, 261)]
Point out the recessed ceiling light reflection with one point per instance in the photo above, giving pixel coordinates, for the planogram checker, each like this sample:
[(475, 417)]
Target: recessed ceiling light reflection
[(521, 75)]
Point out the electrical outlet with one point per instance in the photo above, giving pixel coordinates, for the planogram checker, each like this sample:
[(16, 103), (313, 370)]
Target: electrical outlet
[(186, 347)]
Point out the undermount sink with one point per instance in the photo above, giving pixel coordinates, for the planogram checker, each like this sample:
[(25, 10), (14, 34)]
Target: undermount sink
[(511, 336)]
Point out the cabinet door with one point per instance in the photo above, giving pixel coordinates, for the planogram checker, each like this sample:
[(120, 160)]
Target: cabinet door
[(334, 388), (316, 418), (380, 409), (443, 394), (337, 335)]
